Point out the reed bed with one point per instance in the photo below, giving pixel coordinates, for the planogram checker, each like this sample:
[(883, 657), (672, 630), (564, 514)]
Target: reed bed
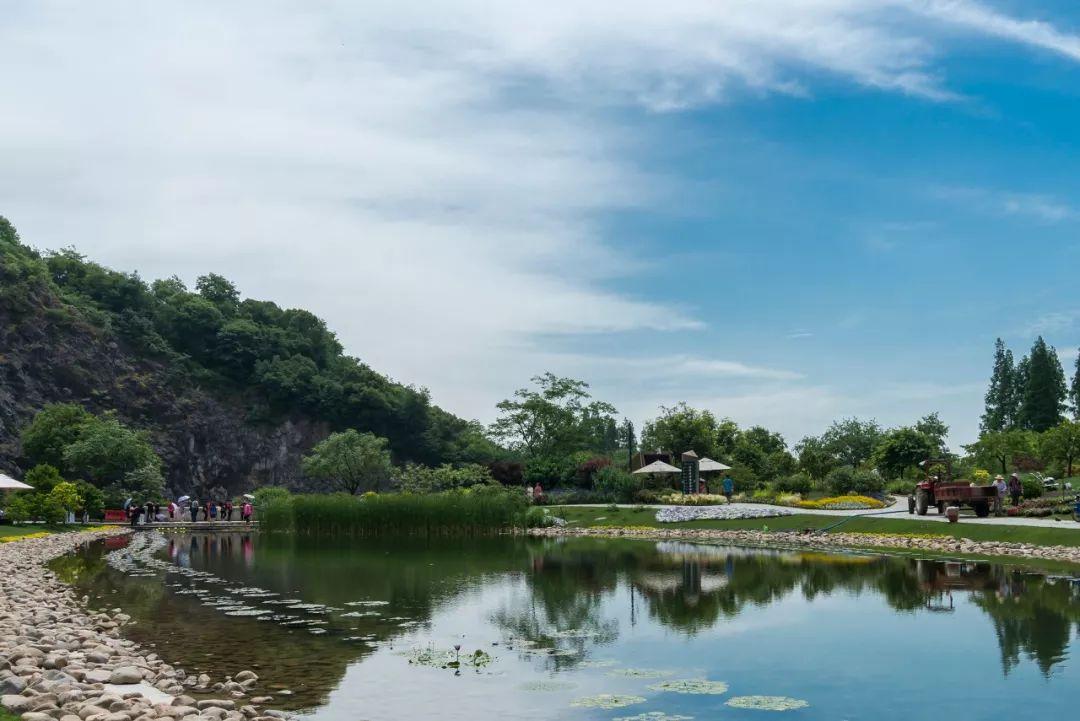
[(450, 513)]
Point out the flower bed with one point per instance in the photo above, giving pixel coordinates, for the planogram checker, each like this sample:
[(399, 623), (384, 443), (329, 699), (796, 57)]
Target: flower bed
[(698, 499), (681, 514), (842, 503)]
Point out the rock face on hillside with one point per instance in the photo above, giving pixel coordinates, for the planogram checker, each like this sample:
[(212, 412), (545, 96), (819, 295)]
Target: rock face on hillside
[(204, 438)]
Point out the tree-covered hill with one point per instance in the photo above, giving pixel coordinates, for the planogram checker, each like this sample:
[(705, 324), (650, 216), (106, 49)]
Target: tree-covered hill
[(232, 390)]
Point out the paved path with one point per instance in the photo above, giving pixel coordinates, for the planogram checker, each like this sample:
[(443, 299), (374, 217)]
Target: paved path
[(899, 511)]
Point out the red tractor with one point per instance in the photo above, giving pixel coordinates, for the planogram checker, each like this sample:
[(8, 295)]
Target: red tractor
[(939, 489)]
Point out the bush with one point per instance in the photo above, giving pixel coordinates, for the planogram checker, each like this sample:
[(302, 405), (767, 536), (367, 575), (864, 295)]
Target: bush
[(539, 518), (900, 487), (844, 480), (546, 471), (615, 484), (981, 477), (586, 472), (423, 479), (1031, 487), (796, 483)]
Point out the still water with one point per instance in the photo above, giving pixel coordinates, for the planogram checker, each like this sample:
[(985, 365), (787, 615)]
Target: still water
[(571, 629)]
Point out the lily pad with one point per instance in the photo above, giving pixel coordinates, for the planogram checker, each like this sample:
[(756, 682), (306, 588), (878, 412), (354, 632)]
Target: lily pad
[(767, 703), (641, 673), (654, 716), (607, 701), (598, 663), (695, 686), (547, 686)]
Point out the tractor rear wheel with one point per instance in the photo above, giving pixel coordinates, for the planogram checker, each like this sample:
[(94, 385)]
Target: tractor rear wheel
[(982, 508), (922, 502)]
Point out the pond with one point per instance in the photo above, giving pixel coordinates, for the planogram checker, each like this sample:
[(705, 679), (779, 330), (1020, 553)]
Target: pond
[(594, 629)]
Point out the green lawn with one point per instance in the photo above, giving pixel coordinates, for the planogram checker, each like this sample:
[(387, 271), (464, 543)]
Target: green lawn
[(1067, 535), (9, 531)]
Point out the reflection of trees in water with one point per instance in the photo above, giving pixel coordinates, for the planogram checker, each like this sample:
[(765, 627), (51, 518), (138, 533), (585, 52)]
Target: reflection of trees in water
[(691, 587), (1032, 616)]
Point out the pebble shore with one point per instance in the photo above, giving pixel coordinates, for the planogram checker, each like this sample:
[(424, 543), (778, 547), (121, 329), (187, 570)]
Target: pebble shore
[(60, 661), (840, 541)]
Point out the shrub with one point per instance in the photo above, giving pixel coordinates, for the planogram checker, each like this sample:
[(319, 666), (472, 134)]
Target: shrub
[(795, 483), (1031, 487), (900, 487), (424, 479), (507, 473), (847, 480), (546, 471), (539, 518), (615, 483), (586, 472), (981, 477)]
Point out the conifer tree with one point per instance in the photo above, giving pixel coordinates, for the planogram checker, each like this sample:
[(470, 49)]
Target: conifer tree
[(1001, 396), (1044, 391), (1076, 389)]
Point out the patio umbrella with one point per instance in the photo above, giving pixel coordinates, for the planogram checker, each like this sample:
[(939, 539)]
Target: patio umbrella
[(7, 483), (707, 464), (658, 467)]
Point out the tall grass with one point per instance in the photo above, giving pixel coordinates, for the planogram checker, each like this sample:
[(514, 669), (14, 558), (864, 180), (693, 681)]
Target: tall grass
[(451, 513)]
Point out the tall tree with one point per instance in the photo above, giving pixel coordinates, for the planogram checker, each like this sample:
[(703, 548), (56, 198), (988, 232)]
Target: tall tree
[(556, 419), (681, 428), (627, 437), (1000, 447), (351, 461), (852, 441), (1076, 388), (902, 448), (935, 429), (1044, 392), (1002, 395), (814, 457)]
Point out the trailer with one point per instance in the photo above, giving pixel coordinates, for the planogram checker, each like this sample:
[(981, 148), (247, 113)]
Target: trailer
[(938, 489)]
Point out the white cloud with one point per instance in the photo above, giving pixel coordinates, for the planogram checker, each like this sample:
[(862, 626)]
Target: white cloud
[(1035, 206), (984, 20), (427, 176)]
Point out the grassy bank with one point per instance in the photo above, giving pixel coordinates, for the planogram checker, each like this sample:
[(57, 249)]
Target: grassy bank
[(603, 517), (451, 513)]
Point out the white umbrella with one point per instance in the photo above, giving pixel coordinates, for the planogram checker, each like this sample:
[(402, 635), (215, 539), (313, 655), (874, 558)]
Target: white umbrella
[(249, 496), (181, 499), (9, 483), (658, 467), (707, 464)]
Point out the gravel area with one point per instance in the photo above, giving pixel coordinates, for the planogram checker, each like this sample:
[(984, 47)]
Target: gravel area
[(60, 661)]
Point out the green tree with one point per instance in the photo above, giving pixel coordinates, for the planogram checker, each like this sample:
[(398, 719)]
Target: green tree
[(1075, 390), (815, 458), (54, 428), (65, 495), (107, 451), (764, 452), (43, 478), (902, 448), (352, 461), (219, 291), (1062, 443), (1000, 447), (852, 441), (935, 429), (555, 419), (1044, 392), (681, 428), (93, 499), (1003, 395)]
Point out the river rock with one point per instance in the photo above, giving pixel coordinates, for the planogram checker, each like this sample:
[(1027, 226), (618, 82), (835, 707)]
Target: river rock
[(125, 675), (15, 703)]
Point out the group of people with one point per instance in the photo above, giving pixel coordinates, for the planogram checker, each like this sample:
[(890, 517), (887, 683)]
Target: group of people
[(208, 511), (1013, 489)]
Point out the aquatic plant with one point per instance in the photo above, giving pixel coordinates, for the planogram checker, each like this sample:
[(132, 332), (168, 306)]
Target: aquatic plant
[(767, 703), (654, 716), (607, 701), (478, 511), (448, 658), (547, 686), (694, 686), (641, 673)]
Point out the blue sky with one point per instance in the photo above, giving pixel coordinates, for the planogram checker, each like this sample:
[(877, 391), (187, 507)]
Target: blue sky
[(786, 211)]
